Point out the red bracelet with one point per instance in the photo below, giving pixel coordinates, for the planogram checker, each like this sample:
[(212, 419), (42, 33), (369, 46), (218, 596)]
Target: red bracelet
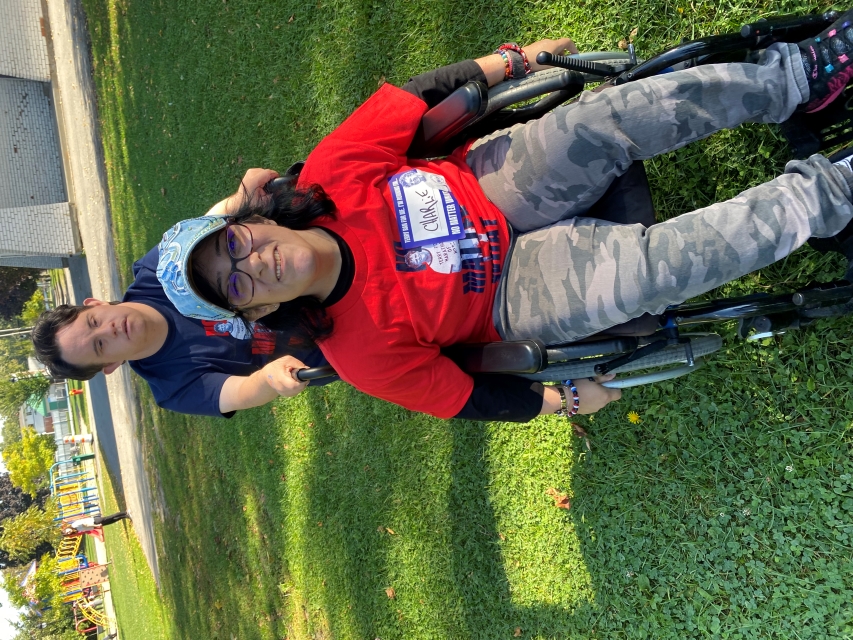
[(511, 46)]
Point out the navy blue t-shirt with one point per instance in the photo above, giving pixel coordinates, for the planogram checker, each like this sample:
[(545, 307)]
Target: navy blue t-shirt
[(186, 375)]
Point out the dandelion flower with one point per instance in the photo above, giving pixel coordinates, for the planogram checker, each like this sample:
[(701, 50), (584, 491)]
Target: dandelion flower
[(633, 417)]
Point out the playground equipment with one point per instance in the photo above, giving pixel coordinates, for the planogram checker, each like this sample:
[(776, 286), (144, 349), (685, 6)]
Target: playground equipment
[(75, 491)]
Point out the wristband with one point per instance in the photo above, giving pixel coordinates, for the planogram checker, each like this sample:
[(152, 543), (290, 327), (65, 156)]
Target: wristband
[(511, 46), (563, 406)]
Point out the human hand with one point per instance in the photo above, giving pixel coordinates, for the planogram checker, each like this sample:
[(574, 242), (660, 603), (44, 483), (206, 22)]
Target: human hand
[(280, 376), (252, 184), (557, 47), (593, 396)]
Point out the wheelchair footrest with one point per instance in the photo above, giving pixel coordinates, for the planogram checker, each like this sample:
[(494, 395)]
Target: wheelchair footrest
[(810, 133)]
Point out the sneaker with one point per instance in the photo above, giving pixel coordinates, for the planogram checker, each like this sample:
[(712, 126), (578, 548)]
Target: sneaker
[(828, 62)]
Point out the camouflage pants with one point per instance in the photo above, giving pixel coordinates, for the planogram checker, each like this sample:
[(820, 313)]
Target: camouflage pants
[(568, 277)]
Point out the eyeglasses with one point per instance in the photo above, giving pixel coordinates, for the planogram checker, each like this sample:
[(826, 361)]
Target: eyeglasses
[(241, 287)]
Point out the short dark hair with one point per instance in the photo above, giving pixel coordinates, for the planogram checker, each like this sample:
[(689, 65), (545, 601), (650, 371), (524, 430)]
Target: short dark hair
[(47, 348)]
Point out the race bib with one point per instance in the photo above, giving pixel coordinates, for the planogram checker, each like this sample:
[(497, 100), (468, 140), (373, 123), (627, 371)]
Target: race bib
[(427, 212)]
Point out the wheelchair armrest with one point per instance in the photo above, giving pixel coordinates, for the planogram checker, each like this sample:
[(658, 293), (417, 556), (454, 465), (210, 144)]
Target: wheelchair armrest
[(445, 120), (523, 356), (536, 84), (445, 123)]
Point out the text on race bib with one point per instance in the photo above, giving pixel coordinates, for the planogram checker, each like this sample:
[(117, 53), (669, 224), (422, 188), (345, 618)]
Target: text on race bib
[(427, 212)]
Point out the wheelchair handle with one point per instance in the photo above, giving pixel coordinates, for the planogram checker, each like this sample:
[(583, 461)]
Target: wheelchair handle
[(315, 373), (575, 64)]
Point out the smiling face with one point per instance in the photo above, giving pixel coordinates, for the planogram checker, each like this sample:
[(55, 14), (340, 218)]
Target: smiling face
[(106, 335), (281, 263)]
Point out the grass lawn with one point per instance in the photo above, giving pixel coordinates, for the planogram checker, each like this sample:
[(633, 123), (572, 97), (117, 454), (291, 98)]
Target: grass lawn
[(726, 512), (140, 610), (77, 404)]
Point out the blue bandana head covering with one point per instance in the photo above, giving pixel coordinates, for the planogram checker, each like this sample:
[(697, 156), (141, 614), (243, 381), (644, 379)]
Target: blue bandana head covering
[(173, 269)]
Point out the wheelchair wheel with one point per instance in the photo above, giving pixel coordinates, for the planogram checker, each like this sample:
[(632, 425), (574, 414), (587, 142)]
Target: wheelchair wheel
[(702, 344)]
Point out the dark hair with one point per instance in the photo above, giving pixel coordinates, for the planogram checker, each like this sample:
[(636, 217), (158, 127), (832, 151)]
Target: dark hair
[(303, 318), (47, 349)]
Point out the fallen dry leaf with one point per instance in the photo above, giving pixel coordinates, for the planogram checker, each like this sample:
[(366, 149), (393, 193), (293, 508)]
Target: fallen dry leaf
[(578, 430), (390, 592), (561, 500), (381, 81), (517, 633), (623, 44), (380, 529), (633, 34), (391, 531), (163, 190)]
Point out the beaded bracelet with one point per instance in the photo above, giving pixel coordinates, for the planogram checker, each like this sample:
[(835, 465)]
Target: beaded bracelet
[(564, 409), (511, 46), (577, 399), (507, 64)]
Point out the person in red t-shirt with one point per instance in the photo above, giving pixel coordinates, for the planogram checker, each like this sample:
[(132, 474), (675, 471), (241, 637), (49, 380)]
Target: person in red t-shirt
[(384, 260)]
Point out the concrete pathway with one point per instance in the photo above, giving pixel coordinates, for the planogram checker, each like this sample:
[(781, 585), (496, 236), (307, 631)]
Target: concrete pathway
[(112, 402)]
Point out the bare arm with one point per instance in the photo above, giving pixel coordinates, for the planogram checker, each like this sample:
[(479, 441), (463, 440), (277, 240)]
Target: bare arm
[(591, 394), (274, 380), (493, 65), (251, 186)]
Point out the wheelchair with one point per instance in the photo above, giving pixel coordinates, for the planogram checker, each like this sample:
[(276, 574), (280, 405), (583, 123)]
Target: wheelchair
[(652, 345)]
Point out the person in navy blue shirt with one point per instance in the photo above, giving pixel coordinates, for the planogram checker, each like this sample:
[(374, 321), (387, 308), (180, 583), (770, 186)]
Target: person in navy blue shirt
[(192, 366)]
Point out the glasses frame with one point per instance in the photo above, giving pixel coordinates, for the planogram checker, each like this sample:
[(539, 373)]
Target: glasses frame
[(234, 261)]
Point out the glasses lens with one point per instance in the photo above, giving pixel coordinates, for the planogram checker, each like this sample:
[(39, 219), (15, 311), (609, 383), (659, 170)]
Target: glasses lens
[(241, 289), (239, 240)]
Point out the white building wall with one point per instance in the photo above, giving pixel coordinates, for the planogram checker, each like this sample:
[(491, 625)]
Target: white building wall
[(23, 46), (30, 162), (42, 230)]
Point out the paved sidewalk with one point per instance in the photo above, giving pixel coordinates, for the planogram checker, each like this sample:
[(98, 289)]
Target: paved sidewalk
[(112, 402)]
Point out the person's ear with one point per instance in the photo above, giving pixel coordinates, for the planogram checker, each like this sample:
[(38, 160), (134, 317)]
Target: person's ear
[(93, 302), (256, 313), (112, 367)]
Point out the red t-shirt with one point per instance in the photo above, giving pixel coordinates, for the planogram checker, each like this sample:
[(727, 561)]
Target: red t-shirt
[(405, 303)]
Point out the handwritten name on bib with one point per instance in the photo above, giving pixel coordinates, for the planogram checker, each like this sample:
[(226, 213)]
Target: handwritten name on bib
[(427, 212)]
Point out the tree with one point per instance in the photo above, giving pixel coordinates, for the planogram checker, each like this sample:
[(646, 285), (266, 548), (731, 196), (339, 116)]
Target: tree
[(17, 389), (32, 309), (11, 431), (13, 502), (54, 620), (14, 349), (17, 284), (24, 533), (29, 461)]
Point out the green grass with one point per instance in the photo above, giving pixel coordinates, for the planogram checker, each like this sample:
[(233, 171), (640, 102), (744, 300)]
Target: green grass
[(78, 405), (278, 523), (140, 611)]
